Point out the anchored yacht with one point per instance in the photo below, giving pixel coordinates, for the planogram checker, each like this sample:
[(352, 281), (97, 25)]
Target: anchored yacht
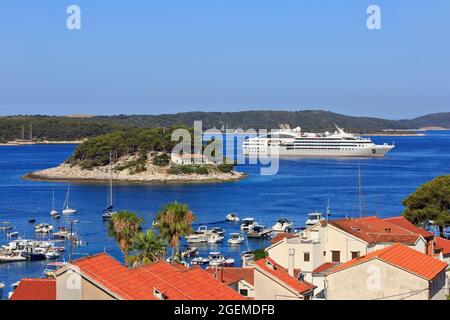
[(295, 142)]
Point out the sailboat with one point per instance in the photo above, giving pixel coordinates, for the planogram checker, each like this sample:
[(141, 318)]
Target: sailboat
[(109, 211), (53, 212), (66, 208)]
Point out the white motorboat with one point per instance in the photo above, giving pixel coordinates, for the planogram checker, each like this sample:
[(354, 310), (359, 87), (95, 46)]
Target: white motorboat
[(17, 256), (283, 225), (189, 252), (200, 260), (259, 232), (232, 217), (43, 228), (314, 218), (235, 238), (248, 259), (53, 212), (52, 254), (248, 223), (216, 259), (12, 234), (214, 238), (66, 209), (5, 226), (51, 268), (216, 230), (199, 236)]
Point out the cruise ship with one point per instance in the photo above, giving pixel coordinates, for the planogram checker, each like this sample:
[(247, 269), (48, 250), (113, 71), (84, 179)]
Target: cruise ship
[(295, 142)]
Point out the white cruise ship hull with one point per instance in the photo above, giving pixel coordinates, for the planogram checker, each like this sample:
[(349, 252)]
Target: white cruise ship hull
[(371, 152)]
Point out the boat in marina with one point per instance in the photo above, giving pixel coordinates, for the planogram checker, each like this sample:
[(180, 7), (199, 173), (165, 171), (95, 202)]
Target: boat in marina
[(248, 223), (17, 256), (52, 268), (233, 217), (66, 208), (109, 211), (214, 238), (216, 259), (248, 259), (52, 254), (235, 239), (199, 236), (200, 260), (5, 226), (259, 232), (12, 234), (283, 225), (53, 212), (189, 252), (295, 142), (43, 228), (314, 218)]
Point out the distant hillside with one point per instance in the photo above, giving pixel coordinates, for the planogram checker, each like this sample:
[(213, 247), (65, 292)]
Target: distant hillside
[(79, 127)]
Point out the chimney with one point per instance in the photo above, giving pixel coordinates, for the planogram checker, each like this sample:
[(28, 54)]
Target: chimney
[(291, 262)]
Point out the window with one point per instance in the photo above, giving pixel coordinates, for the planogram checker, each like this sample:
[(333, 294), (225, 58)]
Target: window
[(306, 256), (324, 253), (335, 256), (355, 254), (243, 292)]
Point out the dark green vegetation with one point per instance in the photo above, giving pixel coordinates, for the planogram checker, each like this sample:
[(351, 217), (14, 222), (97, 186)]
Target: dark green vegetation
[(259, 254), (95, 151), (189, 169), (72, 128), (430, 202)]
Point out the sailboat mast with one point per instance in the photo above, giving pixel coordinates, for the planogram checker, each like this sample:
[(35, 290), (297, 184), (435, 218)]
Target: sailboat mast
[(110, 181)]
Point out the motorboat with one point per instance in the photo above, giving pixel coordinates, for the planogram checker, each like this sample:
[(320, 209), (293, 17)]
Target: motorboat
[(216, 259), (214, 238), (248, 223), (38, 254), (248, 259), (52, 268), (53, 212), (52, 254), (183, 262), (200, 260), (12, 234), (17, 256), (199, 236), (235, 238), (283, 225), (63, 233), (314, 218), (66, 208), (259, 232), (5, 226), (232, 217), (43, 228), (217, 230), (189, 252)]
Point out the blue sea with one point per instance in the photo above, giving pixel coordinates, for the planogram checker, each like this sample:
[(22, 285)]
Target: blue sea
[(300, 187)]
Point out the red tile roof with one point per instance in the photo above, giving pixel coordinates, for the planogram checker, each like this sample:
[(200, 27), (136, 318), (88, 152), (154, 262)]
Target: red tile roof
[(405, 224), (282, 275), (176, 282), (280, 236), (375, 230), (232, 275), (35, 289), (327, 266), (402, 257), (442, 244)]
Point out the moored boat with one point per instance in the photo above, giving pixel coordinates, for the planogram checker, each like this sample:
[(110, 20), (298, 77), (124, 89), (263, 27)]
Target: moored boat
[(248, 223), (259, 232), (66, 208), (283, 225), (233, 217), (314, 218), (235, 238)]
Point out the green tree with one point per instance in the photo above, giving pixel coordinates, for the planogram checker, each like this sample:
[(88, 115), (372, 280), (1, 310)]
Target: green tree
[(148, 247), (173, 222), (431, 201), (123, 226)]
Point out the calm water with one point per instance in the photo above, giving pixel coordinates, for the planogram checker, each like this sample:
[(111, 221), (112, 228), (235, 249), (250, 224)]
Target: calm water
[(300, 187)]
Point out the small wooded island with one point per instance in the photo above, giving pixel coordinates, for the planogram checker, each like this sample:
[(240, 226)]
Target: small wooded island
[(137, 156)]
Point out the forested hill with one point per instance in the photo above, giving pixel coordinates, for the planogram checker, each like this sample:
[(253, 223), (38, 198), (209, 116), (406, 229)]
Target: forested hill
[(76, 128)]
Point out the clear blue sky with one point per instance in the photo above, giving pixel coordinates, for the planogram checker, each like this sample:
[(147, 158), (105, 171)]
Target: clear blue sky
[(151, 57)]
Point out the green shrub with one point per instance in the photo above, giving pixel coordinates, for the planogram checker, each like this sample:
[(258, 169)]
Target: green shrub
[(161, 160), (225, 168)]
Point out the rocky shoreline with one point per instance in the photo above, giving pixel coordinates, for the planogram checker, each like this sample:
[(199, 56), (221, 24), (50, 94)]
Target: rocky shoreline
[(153, 175)]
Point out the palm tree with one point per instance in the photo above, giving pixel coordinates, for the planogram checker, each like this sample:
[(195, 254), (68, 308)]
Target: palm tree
[(173, 222), (148, 246), (123, 226)]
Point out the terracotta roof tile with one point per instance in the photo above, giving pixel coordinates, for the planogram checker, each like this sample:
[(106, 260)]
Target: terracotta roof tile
[(232, 275), (282, 275), (442, 244), (35, 289), (403, 257), (177, 283), (375, 230), (281, 236), (405, 224), (327, 266)]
